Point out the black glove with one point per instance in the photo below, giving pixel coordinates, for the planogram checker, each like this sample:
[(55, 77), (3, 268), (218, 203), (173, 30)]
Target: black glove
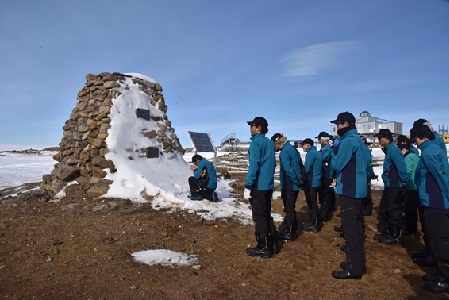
[(300, 181), (372, 177)]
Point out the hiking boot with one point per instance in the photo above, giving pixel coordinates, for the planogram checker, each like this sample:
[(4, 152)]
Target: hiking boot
[(287, 232), (263, 248), (311, 226), (394, 238), (344, 265), (343, 274)]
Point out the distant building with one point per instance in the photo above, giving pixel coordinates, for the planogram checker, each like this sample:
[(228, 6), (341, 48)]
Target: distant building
[(368, 126), (231, 144)]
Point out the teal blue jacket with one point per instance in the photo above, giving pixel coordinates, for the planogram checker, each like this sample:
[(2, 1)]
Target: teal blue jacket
[(394, 171), (211, 172), (328, 152), (262, 162), (432, 176), (411, 162), (351, 165), (290, 172), (312, 166), (439, 142)]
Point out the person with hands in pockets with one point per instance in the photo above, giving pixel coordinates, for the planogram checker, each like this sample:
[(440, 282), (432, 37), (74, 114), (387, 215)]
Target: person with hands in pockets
[(290, 177), (259, 186)]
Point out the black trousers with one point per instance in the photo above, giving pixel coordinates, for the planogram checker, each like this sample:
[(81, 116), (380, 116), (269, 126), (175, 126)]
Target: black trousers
[(390, 208), (261, 210), (352, 225), (422, 220), (311, 194), (197, 188), (411, 205), (437, 230), (368, 201), (327, 200), (289, 200)]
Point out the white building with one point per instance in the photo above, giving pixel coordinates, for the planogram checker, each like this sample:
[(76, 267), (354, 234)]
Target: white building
[(368, 126)]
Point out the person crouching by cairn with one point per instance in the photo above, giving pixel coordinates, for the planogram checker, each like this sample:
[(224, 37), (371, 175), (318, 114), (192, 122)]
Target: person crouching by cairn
[(203, 183), (312, 167), (291, 183), (326, 192), (259, 186)]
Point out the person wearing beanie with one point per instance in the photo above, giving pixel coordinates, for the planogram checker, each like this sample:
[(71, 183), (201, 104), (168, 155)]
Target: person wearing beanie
[(410, 197), (291, 183), (425, 258), (350, 165), (394, 176), (259, 186), (312, 167), (203, 183), (402, 139), (432, 180), (438, 140), (326, 191)]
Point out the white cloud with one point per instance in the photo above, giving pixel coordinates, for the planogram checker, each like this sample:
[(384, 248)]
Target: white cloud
[(314, 59)]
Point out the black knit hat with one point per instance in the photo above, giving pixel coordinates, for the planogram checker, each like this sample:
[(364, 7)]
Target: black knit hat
[(307, 141), (324, 135), (386, 133)]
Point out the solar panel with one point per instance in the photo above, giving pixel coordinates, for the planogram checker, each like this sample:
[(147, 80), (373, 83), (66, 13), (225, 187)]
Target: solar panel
[(201, 142)]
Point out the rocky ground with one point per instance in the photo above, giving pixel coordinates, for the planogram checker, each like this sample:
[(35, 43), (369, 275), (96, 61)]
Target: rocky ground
[(80, 248)]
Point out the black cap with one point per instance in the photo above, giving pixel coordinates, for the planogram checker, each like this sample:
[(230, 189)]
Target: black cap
[(386, 133), (323, 134), (259, 121), (307, 141), (344, 116)]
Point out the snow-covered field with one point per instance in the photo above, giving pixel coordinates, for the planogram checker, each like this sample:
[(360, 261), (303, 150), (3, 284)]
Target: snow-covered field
[(16, 169)]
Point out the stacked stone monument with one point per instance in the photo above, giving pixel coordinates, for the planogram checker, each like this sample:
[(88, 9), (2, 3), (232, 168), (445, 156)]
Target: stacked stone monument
[(82, 150)]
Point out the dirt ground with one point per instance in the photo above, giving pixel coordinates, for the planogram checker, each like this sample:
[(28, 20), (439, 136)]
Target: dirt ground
[(81, 248)]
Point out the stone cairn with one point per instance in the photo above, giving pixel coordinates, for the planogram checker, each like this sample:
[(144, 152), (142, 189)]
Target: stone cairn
[(82, 150)]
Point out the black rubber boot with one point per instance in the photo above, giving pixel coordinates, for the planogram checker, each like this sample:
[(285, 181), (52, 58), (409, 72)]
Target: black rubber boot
[(264, 246), (274, 237), (311, 226), (394, 238), (441, 284), (380, 236), (287, 232)]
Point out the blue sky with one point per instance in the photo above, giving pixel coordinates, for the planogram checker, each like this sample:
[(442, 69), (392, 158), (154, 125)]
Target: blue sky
[(297, 63)]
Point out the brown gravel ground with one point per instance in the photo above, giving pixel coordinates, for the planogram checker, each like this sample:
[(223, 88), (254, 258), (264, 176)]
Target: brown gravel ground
[(81, 248)]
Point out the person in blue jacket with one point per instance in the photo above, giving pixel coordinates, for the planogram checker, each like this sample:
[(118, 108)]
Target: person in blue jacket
[(394, 176), (259, 186), (438, 140), (410, 197), (312, 167), (203, 183), (326, 191), (432, 180), (425, 258), (350, 165), (291, 183)]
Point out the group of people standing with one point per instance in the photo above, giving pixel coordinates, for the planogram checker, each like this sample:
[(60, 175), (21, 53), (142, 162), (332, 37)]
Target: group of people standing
[(413, 185)]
